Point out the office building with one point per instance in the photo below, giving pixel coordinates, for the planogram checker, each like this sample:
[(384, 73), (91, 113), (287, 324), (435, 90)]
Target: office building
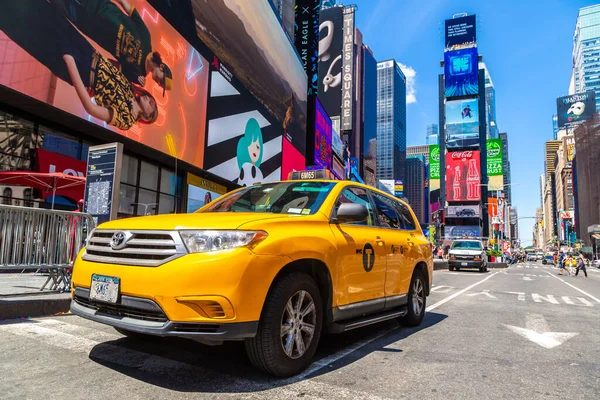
[(433, 134), (391, 121), (414, 186), (490, 104), (421, 150), (538, 230), (549, 192), (586, 47), (506, 164)]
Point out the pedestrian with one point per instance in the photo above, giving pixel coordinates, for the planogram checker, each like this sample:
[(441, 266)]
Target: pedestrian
[(446, 251), (581, 265), (562, 261)]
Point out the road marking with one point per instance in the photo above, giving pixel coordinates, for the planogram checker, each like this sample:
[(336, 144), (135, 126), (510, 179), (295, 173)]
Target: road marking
[(549, 298), (526, 278), (537, 333), (585, 302), (447, 299), (568, 300), (520, 295), (483, 292), (575, 287), (442, 289)]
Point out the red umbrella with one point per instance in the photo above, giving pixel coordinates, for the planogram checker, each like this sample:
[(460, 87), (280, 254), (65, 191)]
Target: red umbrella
[(54, 181)]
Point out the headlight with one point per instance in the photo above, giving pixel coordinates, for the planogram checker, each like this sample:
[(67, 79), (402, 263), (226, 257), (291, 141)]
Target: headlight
[(203, 241), (452, 257)]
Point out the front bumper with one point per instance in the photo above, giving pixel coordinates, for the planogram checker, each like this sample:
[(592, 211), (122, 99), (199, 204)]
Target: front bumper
[(145, 316), (466, 263)]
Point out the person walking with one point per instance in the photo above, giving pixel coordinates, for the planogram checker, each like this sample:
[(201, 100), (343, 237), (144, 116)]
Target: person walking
[(581, 265)]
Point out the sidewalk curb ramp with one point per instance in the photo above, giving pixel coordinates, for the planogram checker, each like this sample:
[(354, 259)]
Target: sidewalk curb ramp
[(33, 305)]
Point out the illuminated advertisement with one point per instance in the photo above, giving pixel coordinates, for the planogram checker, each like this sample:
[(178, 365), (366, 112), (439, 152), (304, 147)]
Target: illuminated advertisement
[(460, 33), (461, 72), (569, 147), (306, 39), (464, 211), (494, 157), (434, 161), (337, 145), (462, 231), (462, 123), (463, 176), (398, 188), (322, 150), (575, 109), (201, 192), (331, 31), (348, 69), (492, 206), (387, 185), (134, 73)]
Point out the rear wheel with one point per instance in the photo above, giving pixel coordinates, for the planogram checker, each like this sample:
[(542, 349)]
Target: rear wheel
[(416, 301), (289, 328)]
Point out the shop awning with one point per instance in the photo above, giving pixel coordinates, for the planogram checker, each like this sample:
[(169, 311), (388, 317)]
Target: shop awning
[(55, 183)]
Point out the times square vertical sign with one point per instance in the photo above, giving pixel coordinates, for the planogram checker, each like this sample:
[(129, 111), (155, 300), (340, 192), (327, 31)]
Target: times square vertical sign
[(348, 69)]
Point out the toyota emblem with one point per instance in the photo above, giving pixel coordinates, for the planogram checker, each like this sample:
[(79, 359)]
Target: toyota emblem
[(119, 240)]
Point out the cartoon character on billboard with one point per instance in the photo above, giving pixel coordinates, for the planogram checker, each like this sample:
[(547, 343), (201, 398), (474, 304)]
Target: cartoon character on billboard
[(42, 30), (576, 111), (466, 112), (250, 154)]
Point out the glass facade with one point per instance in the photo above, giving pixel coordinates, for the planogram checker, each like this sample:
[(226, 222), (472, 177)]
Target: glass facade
[(433, 132), (555, 126), (391, 121), (414, 185), (490, 105), (586, 51)]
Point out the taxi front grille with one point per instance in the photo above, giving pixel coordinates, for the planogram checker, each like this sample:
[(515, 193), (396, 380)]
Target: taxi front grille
[(143, 248), (120, 310)]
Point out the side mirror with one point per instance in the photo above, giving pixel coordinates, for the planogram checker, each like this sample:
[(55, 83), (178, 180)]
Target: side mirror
[(351, 212)]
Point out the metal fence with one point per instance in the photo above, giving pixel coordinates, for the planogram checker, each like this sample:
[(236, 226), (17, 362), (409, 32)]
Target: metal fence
[(40, 239)]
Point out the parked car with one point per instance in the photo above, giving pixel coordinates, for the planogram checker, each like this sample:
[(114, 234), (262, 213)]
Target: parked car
[(548, 260), (596, 263), (531, 257), (467, 254)]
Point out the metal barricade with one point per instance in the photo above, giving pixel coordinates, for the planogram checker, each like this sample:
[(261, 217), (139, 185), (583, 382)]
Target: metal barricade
[(40, 239)]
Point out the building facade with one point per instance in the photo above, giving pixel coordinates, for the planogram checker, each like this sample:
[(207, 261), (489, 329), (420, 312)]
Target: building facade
[(391, 121), (370, 164), (586, 51), (433, 134), (490, 104), (421, 150), (414, 186)]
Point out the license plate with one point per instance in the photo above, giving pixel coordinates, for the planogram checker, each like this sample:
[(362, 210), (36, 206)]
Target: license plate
[(104, 288), (464, 264)]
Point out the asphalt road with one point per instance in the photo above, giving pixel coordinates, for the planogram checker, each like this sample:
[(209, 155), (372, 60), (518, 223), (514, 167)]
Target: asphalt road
[(516, 333)]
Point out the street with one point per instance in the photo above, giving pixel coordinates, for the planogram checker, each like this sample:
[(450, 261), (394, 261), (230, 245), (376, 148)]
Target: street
[(520, 332)]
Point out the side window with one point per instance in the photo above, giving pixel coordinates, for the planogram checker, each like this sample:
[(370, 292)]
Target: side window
[(386, 214), (406, 217), (358, 196)]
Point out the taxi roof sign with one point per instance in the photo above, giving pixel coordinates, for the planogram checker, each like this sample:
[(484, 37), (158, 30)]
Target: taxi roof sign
[(310, 174)]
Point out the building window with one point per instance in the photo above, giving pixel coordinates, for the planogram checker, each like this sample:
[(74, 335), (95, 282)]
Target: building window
[(7, 196), (28, 197)]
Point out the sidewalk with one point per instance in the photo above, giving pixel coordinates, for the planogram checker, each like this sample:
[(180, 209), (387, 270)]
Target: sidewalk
[(20, 296)]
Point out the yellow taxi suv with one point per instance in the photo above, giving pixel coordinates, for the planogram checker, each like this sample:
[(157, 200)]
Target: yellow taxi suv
[(275, 265)]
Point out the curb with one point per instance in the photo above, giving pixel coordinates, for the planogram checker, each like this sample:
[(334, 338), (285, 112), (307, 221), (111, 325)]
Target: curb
[(14, 307)]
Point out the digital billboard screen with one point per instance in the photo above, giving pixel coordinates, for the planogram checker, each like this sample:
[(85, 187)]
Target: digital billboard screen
[(461, 72), (125, 69), (462, 123), (463, 176), (462, 231), (322, 150), (331, 31), (434, 161), (494, 157), (201, 192), (575, 109), (460, 33), (464, 211)]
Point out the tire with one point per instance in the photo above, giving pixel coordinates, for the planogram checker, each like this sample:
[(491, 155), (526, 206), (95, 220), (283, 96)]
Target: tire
[(416, 308), (451, 268), (482, 269), (266, 350)]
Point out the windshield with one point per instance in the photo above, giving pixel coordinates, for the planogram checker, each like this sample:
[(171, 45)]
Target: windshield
[(279, 198), (466, 246)]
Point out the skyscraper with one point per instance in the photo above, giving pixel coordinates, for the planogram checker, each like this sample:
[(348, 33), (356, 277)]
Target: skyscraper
[(414, 185), (433, 134), (391, 121), (370, 164), (586, 45), (490, 104)]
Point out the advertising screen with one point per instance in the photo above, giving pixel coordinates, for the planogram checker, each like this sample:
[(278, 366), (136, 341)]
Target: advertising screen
[(463, 176), (569, 145), (574, 109), (461, 72), (306, 39), (292, 160), (434, 161), (331, 31), (322, 150), (201, 192), (460, 33), (387, 185), (398, 188), (464, 211), (492, 206), (462, 231), (494, 157), (137, 75), (462, 123), (337, 145)]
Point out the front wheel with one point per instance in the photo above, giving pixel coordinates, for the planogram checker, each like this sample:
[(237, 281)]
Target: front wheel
[(416, 301), (289, 328)]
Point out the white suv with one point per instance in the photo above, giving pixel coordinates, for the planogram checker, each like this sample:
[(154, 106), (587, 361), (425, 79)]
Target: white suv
[(467, 254)]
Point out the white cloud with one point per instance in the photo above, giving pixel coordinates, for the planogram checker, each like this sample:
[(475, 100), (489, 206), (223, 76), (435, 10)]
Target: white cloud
[(411, 81)]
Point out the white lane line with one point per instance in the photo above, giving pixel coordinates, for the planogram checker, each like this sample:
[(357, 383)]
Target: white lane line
[(574, 287), (452, 296)]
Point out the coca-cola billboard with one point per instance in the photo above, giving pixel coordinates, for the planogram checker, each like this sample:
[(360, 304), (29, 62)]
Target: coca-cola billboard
[(463, 176)]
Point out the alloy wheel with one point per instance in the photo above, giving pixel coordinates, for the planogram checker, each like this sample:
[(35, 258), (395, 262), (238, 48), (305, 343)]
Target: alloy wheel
[(298, 324), (418, 296)]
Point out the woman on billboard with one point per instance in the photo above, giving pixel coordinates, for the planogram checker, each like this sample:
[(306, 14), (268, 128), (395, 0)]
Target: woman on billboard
[(42, 31)]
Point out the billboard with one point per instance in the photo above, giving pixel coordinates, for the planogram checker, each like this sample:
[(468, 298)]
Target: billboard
[(569, 147), (348, 69), (434, 161), (575, 109), (462, 231), (398, 188), (322, 150), (462, 123), (306, 39), (461, 72), (463, 176), (201, 192), (460, 33), (337, 145), (492, 206), (387, 185), (136, 74), (494, 157), (464, 211), (331, 33)]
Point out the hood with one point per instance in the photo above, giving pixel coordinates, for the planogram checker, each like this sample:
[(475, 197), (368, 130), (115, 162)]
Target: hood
[(217, 220), (466, 252)]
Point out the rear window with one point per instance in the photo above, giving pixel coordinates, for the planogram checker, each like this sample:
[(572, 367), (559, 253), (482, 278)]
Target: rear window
[(466, 246)]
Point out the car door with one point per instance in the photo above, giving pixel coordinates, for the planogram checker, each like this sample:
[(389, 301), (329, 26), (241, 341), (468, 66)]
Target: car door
[(361, 259), (395, 244), (414, 242)]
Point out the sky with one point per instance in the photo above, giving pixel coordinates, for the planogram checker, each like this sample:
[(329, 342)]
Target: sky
[(526, 46)]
